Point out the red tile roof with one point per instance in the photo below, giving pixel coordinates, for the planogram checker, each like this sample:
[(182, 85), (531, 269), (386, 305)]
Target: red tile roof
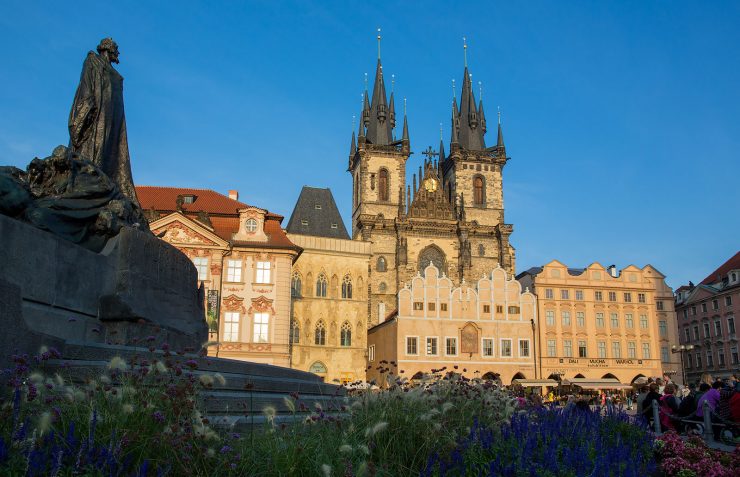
[(206, 200), (223, 213), (717, 275)]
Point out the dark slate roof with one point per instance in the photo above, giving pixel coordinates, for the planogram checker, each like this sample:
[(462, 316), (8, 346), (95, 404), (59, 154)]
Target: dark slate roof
[(317, 210), (718, 275)]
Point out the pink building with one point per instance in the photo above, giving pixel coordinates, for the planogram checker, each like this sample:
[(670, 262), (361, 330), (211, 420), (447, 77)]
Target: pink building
[(706, 323)]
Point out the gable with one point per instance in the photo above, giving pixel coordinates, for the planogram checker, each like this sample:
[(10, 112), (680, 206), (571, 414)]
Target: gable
[(177, 229)]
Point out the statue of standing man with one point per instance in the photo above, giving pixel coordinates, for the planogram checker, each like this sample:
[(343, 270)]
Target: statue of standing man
[(97, 124)]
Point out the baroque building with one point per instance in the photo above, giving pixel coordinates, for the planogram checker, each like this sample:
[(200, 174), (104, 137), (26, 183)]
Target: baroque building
[(244, 261), (486, 331), (329, 291), (706, 323), (452, 213), (602, 325)]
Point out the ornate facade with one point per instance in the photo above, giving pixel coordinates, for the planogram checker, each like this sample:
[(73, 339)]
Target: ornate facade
[(598, 323), (486, 331), (244, 262), (452, 214)]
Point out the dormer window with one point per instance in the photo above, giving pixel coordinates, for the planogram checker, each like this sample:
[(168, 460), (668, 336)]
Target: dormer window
[(334, 226), (304, 222), (250, 225), (188, 199), (317, 206)]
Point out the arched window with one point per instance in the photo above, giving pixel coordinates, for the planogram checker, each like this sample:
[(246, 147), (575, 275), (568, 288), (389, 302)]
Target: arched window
[(479, 196), (321, 286), (296, 285), (383, 185), (320, 333), (347, 287), (317, 368), (481, 250), (295, 332), (436, 256), (251, 225), (381, 266), (346, 334)]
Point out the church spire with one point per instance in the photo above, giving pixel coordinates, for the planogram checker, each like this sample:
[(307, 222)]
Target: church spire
[(500, 142), (406, 144), (380, 119), (352, 146), (470, 128)]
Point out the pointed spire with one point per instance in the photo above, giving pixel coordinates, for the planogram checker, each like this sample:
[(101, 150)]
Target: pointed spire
[(470, 125), (392, 112), (352, 146), (500, 141), (405, 137), (453, 136), (379, 130), (441, 151), (482, 116)]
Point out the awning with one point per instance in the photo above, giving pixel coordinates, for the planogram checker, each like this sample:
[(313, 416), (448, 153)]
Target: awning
[(534, 383), (606, 383)]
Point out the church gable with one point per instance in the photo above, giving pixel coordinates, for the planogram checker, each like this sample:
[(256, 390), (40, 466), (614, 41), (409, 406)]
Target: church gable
[(430, 201)]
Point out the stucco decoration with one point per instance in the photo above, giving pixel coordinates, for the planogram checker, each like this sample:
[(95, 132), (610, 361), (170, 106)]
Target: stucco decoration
[(469, 339)]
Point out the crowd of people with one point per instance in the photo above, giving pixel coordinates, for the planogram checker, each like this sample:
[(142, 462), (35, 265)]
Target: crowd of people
[(681, 408)]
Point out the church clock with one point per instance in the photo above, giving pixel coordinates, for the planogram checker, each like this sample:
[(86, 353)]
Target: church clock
[(431, 184)]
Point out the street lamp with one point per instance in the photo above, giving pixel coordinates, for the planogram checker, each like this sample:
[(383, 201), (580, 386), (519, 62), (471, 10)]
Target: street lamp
[(680, 349)]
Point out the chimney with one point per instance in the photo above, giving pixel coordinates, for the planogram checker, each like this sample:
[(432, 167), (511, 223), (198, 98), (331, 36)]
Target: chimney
[(612, 270), (234, 194)]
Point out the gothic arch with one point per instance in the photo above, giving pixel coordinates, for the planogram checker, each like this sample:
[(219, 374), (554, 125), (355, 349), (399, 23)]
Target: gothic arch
[(433, 254), (345, 335), (296, 285), (334, 286), (479, 191), (518, 376), (347, 287), (609, 376), (383, 185), (382, 264)]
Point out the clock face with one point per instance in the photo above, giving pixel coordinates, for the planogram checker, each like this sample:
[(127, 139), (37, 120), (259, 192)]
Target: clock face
[(430, 185)]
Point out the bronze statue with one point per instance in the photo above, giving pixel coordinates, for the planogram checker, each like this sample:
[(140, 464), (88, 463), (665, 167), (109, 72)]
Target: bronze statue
[(83, 193), (97, 123)]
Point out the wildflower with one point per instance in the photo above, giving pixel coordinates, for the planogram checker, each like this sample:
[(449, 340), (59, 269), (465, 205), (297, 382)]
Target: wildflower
[(326, 469), (160, 367), (225, 450), (290, 404), (379, 427), (44, 423), (117, 364), (365, 450), (345, 449), (206, 380), (220, 379), (158, 416), (191, 363), (270, 412), (127, 409)]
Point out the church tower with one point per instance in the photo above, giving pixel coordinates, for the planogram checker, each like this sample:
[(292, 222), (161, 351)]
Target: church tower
[(473, 173), (377, 162)]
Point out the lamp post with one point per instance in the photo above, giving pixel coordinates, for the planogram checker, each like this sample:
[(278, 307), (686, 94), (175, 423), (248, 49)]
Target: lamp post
[(680, 349)]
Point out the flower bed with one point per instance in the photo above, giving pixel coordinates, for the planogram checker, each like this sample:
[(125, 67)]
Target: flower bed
[(692, 458)]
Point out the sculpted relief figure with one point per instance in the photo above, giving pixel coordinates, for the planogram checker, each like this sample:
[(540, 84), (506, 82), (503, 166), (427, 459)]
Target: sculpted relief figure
[(97, 123)]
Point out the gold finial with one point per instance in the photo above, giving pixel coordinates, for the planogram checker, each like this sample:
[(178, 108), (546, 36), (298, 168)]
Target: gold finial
[(393, 82), (404, 106), (454, 95), (480, 90), (465, 51), (365, 81), (378, 43)]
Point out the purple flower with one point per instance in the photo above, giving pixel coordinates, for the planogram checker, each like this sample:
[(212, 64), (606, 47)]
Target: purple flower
[(225, 449), (158, 416)]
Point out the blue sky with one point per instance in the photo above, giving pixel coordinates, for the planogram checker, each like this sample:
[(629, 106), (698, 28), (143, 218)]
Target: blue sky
[(622, 118)]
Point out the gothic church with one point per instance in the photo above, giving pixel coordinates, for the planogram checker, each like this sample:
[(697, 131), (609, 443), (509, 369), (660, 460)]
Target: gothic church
[(452, 214)]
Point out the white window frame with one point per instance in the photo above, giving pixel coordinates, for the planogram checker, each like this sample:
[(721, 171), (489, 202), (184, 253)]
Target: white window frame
[(644, 322), (550, 317), (601, 349), (580, 318), (250, 225), (629, 320), (568, 350), (428, 340), (261, 328), (632, 349), (565, 318), (552, 351), (454, 340), (263, 272), (599, 320), (616, 350), (529, 348), (231, 326), (483, 347), (415, 341), (234, 271), (201, 265), (645, 350), (371, 353), (502, 348)]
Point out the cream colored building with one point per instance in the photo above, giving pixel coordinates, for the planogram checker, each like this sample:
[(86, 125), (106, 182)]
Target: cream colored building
[(244, 261), (600, 323), (329, 291), (480, 330)]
